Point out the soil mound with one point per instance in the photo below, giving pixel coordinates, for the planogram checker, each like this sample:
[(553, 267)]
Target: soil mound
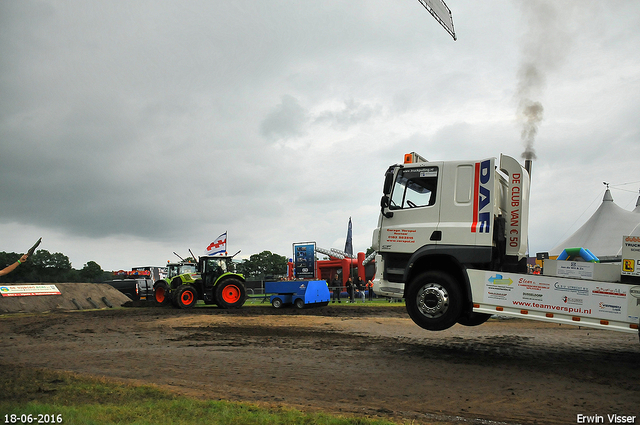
[(73, 296)]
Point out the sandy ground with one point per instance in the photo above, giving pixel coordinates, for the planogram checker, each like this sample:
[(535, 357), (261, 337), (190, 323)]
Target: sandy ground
[(370, 361)]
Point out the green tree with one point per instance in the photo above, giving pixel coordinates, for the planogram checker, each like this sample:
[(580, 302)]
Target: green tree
[(49, 267), (264, 265), (91, 272)]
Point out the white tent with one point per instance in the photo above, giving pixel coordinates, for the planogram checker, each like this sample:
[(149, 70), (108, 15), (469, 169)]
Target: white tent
[(602, 233)]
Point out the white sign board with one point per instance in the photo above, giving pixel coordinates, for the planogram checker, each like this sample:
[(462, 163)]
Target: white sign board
[(28, 290), (603, 300), (575, 269)]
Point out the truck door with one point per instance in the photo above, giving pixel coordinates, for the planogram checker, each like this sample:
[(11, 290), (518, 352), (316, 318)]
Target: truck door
[(413, 209), (466, 207)]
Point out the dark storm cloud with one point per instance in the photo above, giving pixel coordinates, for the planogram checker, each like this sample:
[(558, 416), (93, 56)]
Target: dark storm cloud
[(171, 122)]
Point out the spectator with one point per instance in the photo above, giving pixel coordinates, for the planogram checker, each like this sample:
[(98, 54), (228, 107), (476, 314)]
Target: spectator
[(351, 289), (337, 287), (370, 289), (361, 288)]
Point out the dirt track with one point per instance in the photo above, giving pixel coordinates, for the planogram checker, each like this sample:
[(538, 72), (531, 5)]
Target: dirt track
[(351, 359)]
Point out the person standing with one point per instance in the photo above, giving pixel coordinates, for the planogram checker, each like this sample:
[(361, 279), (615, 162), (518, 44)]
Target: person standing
[(361, 288), (336, 284), (370, 288), (351, 289)]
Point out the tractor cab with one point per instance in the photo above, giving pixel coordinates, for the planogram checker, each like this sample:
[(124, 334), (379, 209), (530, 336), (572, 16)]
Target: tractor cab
[(211, 268), (176, 269)]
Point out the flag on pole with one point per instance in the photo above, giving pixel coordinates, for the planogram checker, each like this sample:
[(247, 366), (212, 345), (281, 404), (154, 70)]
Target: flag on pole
[(217, 247), (348, 246)]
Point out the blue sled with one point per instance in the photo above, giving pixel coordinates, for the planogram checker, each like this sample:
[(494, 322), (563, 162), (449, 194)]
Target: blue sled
[(301, 293)]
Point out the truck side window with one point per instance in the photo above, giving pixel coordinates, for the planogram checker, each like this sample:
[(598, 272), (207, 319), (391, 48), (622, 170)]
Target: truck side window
[(414, 188)]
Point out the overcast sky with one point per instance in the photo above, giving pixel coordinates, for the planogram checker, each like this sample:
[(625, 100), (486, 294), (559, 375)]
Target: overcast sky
[(130, 130)]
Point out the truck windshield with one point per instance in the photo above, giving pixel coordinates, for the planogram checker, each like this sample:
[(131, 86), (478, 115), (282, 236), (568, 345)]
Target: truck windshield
[(414, 188)]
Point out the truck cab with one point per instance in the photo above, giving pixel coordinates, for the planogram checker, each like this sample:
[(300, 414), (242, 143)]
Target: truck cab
[(443, 217), (452, 240)]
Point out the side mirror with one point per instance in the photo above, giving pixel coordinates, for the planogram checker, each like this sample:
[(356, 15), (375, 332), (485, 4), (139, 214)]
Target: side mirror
[(384, 203), (388, 180)]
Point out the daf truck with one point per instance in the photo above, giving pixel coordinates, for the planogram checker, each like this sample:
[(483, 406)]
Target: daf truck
[(452, 240)]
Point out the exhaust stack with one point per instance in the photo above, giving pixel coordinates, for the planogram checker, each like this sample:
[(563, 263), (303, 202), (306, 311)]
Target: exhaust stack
[(527, 166)]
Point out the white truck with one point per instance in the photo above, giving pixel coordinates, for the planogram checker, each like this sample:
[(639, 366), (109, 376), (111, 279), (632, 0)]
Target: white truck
[(452, 240)]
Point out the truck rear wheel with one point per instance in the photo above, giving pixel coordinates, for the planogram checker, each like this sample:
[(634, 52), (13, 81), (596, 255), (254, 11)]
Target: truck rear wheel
[(277, 303), (230, 293), (186, 296), (161, 293), (434, 301)]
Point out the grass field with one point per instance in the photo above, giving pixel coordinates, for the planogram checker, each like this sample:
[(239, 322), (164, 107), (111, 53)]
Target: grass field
[(41, 396)]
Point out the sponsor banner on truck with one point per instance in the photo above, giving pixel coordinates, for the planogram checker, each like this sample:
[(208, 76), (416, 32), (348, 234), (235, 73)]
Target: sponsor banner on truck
[(601, 300), (28, 290)]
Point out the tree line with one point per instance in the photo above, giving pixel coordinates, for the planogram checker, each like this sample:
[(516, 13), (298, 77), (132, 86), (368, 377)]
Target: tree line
[(46, 267)]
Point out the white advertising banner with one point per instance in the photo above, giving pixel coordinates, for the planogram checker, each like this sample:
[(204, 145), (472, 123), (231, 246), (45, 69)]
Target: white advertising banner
[(575, 269), (28, 290), (551, 294)]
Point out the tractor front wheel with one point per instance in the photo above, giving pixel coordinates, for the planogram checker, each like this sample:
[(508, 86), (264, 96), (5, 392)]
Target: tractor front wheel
[(161, 293), (230, 293), (186, 296)]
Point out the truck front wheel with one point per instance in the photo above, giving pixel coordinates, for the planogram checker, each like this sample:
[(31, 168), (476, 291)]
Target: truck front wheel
[(230, 293), (434, 301)]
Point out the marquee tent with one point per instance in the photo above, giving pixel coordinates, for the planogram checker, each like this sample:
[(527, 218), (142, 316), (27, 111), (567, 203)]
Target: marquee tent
[(602, 233)]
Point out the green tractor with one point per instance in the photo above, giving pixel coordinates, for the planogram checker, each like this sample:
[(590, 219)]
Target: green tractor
[(213, 280)]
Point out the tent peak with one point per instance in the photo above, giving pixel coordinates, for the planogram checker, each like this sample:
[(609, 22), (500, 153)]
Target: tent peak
[(607, 196)]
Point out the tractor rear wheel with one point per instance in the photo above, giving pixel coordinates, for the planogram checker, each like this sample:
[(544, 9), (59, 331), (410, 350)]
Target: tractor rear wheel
[(230, 293), (186, 296), (161, 293)]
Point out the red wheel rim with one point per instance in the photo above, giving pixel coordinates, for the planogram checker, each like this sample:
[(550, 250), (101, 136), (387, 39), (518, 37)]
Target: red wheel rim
[(231, 294), (187, 297), (160, 294)]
